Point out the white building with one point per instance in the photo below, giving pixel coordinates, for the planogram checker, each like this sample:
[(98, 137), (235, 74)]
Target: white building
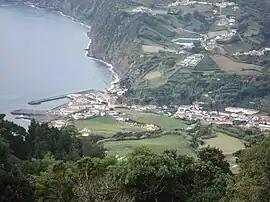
[(85, 132), (241, 110)]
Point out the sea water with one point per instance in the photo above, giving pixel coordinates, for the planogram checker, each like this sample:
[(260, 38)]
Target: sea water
[(42, 54)]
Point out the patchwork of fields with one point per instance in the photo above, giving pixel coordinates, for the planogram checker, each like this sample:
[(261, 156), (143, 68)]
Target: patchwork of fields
[(107, 127), (160, 75)]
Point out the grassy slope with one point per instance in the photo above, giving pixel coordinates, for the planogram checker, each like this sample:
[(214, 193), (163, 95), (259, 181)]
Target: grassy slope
[(164, 122), (106, 126), (226, 143), (157, 144)]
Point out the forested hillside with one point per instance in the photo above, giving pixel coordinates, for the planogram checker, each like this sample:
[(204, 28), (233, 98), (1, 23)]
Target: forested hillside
[(47, 164)]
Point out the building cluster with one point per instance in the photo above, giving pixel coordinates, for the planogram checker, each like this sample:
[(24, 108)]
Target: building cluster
[(254, 52), (225, 4), (141, 9), (192, 60), (226, 21), (87, 105), (187, 2), (227, 36), (231, 115), (210, 43), (117, 90)]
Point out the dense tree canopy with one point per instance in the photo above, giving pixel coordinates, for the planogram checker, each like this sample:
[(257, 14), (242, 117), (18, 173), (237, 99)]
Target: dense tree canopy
[(54, 169)]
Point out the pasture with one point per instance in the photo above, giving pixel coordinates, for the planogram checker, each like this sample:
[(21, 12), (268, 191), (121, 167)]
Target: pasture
[(226, 143), (158, 145), (229, 66), (106, 126), (165, 122)]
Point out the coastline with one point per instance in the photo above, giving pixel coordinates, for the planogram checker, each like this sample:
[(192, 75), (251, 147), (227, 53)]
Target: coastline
[(87, 54), (114, 75)]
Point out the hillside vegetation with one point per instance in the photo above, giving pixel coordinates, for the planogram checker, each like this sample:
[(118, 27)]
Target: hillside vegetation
[(138, 44), (175, 162), (48, 164)]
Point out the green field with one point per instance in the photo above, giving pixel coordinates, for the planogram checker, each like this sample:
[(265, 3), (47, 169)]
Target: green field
[(105, 126), (158, 145), (153, 75), (207, 64), (165, 122), (191, 9), (193, 25), (155, 79), (145, 2), (238, 47), (226, 143), (253, 29)]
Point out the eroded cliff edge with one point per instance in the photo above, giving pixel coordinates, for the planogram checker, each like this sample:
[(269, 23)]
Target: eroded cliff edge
[(113, 35)]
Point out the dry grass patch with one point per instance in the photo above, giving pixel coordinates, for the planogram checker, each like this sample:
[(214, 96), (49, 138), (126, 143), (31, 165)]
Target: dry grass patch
[(156, 49), (155, 79), (152, 75), (230, 66)]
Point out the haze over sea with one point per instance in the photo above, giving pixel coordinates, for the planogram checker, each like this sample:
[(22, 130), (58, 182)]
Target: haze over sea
[(41, 55)]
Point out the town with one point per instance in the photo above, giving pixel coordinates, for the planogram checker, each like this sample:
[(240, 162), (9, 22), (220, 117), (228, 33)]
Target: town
[(248, 118), (254, 52), (101, 103)]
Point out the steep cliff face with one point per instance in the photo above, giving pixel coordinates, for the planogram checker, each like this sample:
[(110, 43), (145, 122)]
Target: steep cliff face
[(113, 35)]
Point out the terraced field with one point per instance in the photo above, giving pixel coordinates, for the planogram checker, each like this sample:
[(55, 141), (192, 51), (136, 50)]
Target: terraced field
[(229, 66)]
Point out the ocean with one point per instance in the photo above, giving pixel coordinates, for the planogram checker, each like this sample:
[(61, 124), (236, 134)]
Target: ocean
[(42, 54)]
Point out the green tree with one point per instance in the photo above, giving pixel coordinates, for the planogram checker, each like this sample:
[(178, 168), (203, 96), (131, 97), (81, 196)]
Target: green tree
[(216, 157), (14, 186), (15, 136), (208, 183), (63, 143), (96, 182), (152, 177), (56, 183), (252, 182)]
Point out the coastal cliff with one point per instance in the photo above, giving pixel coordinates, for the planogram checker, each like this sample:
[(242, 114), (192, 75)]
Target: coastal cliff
[(112, 33)]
